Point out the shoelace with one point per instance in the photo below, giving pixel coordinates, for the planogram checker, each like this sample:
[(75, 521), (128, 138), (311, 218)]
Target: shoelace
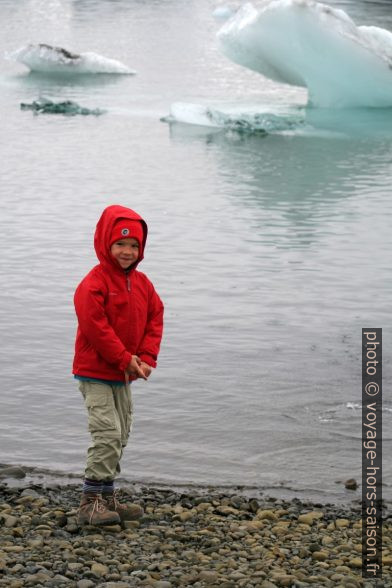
[(116, 502), (98, 506)]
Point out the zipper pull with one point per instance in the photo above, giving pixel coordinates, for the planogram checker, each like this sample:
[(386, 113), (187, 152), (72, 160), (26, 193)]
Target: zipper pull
[(128, 284)]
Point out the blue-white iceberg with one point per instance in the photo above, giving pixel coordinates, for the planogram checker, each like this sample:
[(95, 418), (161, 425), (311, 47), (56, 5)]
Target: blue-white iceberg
[(305, 43), (265, 121), (44, 58)]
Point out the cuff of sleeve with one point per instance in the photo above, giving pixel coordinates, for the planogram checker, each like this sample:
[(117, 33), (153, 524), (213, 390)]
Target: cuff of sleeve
[(125, 361), (148, 359)]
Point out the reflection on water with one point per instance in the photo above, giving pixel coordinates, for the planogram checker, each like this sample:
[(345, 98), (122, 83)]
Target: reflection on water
[(57, 82), (299, 178)]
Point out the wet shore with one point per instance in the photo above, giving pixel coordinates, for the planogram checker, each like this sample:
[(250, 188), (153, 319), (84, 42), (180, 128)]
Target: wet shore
[(185, 538)]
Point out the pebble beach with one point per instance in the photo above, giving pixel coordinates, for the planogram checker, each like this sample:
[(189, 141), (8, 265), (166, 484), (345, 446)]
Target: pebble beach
[(193, 538)]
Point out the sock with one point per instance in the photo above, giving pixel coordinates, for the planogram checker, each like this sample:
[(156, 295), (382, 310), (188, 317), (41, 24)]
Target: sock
[(92, 486), (108, 487)]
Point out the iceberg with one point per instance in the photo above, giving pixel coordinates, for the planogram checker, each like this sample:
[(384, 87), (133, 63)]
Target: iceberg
[(309, 44), (279, 119), (260, 123), (67, 107), (56, 60)]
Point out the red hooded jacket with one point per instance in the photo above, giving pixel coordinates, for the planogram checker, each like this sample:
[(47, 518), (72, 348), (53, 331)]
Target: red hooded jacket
[(119, 313)]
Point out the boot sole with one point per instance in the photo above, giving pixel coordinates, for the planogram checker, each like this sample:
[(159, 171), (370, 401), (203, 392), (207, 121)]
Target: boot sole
[(103, 524)]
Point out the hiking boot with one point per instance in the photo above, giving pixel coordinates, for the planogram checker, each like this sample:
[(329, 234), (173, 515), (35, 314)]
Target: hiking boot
[(126, 512), (93, 510)]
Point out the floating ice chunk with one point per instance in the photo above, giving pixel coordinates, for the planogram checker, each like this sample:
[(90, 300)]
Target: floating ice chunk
[(260, 123), (48, 59), (67, 107), (305, 43), (280, 119), (192, 114)]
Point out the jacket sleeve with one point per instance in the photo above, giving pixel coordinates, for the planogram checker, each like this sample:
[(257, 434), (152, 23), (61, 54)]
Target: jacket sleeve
[(150, 344), (93, 322)]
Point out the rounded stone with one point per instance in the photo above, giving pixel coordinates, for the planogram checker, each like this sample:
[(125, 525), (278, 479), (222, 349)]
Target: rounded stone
[(284, 579), (12, 472), (209, 577), (186, 515), (327, 540), (99, 569), (342, 569), (351, 484), (309, 517), (116, 585), (253, 505), (266, 514), (9, 521), (320, 555), (30, 492), (85, 584)]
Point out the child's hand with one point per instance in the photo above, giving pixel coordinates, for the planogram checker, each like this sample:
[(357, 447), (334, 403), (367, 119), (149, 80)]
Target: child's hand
[(147, 369), (134, 368)]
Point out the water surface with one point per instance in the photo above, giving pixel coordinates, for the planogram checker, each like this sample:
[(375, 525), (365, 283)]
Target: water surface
[(270, 253)]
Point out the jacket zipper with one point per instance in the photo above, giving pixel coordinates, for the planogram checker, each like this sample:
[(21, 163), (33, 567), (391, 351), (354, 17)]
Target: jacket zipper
[(128, 284)]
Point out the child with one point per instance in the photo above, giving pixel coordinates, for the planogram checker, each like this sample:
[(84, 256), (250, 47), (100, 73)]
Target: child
[(119, 333)]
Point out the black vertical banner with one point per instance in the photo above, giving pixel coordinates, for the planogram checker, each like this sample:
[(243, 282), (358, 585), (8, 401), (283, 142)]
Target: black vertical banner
[(371, 453)]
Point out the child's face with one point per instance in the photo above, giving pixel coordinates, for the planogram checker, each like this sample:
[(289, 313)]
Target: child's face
[(125, 251)]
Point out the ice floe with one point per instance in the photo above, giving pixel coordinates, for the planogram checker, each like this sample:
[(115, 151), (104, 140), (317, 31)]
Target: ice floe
[(305, 43), (261, 123), (66, 107), (48, 59)]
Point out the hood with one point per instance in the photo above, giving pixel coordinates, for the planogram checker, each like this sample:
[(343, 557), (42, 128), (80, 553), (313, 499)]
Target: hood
[(104, 229)]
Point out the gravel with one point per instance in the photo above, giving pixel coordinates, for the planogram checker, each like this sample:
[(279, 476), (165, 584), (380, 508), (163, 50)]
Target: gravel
[(185, 539)]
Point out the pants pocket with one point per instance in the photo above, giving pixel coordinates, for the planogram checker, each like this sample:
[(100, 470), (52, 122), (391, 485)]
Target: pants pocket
[(101, 411)]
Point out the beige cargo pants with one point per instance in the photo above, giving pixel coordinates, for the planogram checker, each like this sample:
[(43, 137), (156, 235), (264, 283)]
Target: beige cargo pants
[(109, 422)]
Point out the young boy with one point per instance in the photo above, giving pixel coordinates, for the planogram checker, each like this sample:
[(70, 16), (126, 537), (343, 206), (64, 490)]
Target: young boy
[(120, 321)]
